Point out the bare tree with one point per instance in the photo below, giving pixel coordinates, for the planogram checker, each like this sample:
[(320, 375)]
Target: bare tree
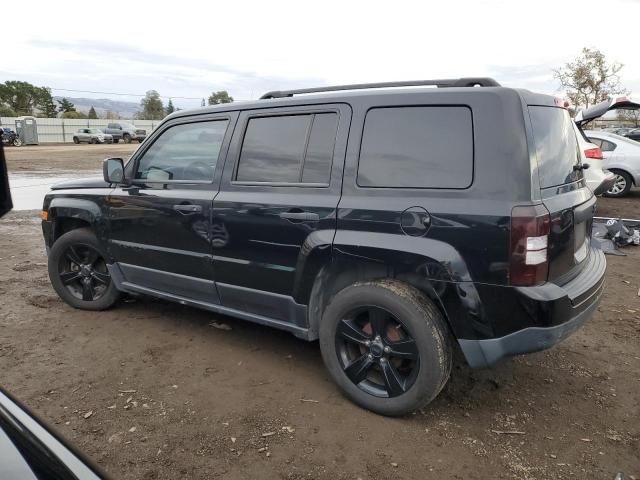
[(590, 78), (629, 116)]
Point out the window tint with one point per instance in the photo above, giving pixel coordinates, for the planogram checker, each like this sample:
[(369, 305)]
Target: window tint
[(184, 152), (317, 163), (608, 146), (556, 145), (596, 141), (290, 148), (417, 147)]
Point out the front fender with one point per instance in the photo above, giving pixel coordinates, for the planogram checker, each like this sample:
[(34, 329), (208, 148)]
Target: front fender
[(78, 210)]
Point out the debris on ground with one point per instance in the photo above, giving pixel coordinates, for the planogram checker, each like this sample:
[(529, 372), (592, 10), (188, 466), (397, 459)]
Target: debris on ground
[(611, 234), (220, 326), (88, 414)]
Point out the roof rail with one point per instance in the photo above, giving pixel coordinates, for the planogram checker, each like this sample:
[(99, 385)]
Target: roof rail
[(452, 82)]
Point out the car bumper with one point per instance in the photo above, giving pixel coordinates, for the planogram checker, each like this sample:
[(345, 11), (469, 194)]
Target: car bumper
[(565, 309), (605, 185)]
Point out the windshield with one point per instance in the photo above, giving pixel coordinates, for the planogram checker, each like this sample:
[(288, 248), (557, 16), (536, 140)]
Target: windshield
[(556, 146)]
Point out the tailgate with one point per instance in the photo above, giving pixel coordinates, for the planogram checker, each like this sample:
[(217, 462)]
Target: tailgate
[(563, 189), (570, 233)]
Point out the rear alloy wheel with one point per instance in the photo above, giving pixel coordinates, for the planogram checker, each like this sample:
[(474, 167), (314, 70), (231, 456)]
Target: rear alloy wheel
[(621, 185), (17, 142), (78, 271), (386, 345)]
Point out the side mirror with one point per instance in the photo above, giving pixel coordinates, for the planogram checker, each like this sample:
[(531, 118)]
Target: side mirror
[(113, 170)]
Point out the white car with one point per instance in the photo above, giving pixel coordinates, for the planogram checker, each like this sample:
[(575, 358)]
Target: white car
[(616, 183), (598, 179), (622, 157)]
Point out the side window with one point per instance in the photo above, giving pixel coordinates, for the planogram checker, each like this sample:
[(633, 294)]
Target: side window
[(608, 146), (288, 149), (417, 147), (183, 152), (596, 141), (111, 125)]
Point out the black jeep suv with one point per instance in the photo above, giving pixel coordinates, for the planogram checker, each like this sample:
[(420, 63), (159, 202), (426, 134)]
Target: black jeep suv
[(392, 224)]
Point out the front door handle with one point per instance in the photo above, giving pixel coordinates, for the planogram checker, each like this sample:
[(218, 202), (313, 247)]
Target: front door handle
[(188, 209), (300, 216)]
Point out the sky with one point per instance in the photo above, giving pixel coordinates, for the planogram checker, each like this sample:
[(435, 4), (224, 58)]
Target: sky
[(191, 48)]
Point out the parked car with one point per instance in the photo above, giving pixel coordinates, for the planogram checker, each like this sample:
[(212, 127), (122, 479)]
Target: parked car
[(91, 135), (394, 225), (633, 134), (125, 132), (622, 157)]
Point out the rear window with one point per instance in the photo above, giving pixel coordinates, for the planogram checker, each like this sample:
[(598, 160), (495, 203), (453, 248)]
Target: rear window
[(417, 147), (556, 146), (288, 149)]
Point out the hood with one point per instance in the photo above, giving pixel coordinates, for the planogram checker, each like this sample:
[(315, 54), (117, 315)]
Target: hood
[(598, 110), (89, 182)]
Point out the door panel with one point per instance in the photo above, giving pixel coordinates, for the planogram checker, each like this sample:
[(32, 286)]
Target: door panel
[(263, 229), (161, 225)]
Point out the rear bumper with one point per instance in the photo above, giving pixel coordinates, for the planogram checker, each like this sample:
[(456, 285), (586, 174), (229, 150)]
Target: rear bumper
[(563, 309), (605, 185)]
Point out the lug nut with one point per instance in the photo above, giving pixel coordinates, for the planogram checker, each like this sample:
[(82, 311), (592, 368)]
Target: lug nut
[(367, 343), (369, 356), (387, 349)]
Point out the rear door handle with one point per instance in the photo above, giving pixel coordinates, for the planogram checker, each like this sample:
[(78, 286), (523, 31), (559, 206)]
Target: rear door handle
[(300, 216), (188, 209)]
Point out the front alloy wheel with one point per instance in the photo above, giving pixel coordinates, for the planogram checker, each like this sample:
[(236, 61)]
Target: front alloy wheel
[(78, 271), (84, 272)]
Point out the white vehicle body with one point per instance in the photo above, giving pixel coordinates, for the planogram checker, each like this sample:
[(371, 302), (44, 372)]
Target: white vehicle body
[(598, 179), (621, 156)]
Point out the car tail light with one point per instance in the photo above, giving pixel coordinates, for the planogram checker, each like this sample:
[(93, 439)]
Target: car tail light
[(529, 262), (594, 153)]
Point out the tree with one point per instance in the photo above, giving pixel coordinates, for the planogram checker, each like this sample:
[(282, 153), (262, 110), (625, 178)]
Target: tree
[(217, 98), (23, 98), (7, 112), (73, 114), (170, 108), (152, 108), (66, 106), (629, 116), (92, 113), (48, 108), (590, 78)]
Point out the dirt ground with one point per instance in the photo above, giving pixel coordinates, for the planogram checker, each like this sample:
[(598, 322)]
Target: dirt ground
[(151, 390)]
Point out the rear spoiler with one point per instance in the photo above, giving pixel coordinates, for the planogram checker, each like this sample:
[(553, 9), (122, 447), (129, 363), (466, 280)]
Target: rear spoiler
[(598, 110)]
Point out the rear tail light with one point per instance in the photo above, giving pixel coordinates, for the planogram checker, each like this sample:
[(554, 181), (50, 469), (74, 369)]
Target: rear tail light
[(529, 262), (594, 153)]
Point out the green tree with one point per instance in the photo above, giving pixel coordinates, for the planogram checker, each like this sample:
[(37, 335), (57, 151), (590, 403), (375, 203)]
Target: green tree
[(92, 113), (170, 108), (152, 108), (23, 98), (48, 108), (590, 78), (73, 114), (7, 111), (219, 97), (66, 106)]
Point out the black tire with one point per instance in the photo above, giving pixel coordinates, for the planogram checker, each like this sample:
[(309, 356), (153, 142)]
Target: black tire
[(420, 321), (127, 138), (621, 185), (76, 259), (76, 140), (116, 140)]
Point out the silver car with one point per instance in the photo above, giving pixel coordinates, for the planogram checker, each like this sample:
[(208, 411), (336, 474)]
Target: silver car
[(622, 157), (91, 135)]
